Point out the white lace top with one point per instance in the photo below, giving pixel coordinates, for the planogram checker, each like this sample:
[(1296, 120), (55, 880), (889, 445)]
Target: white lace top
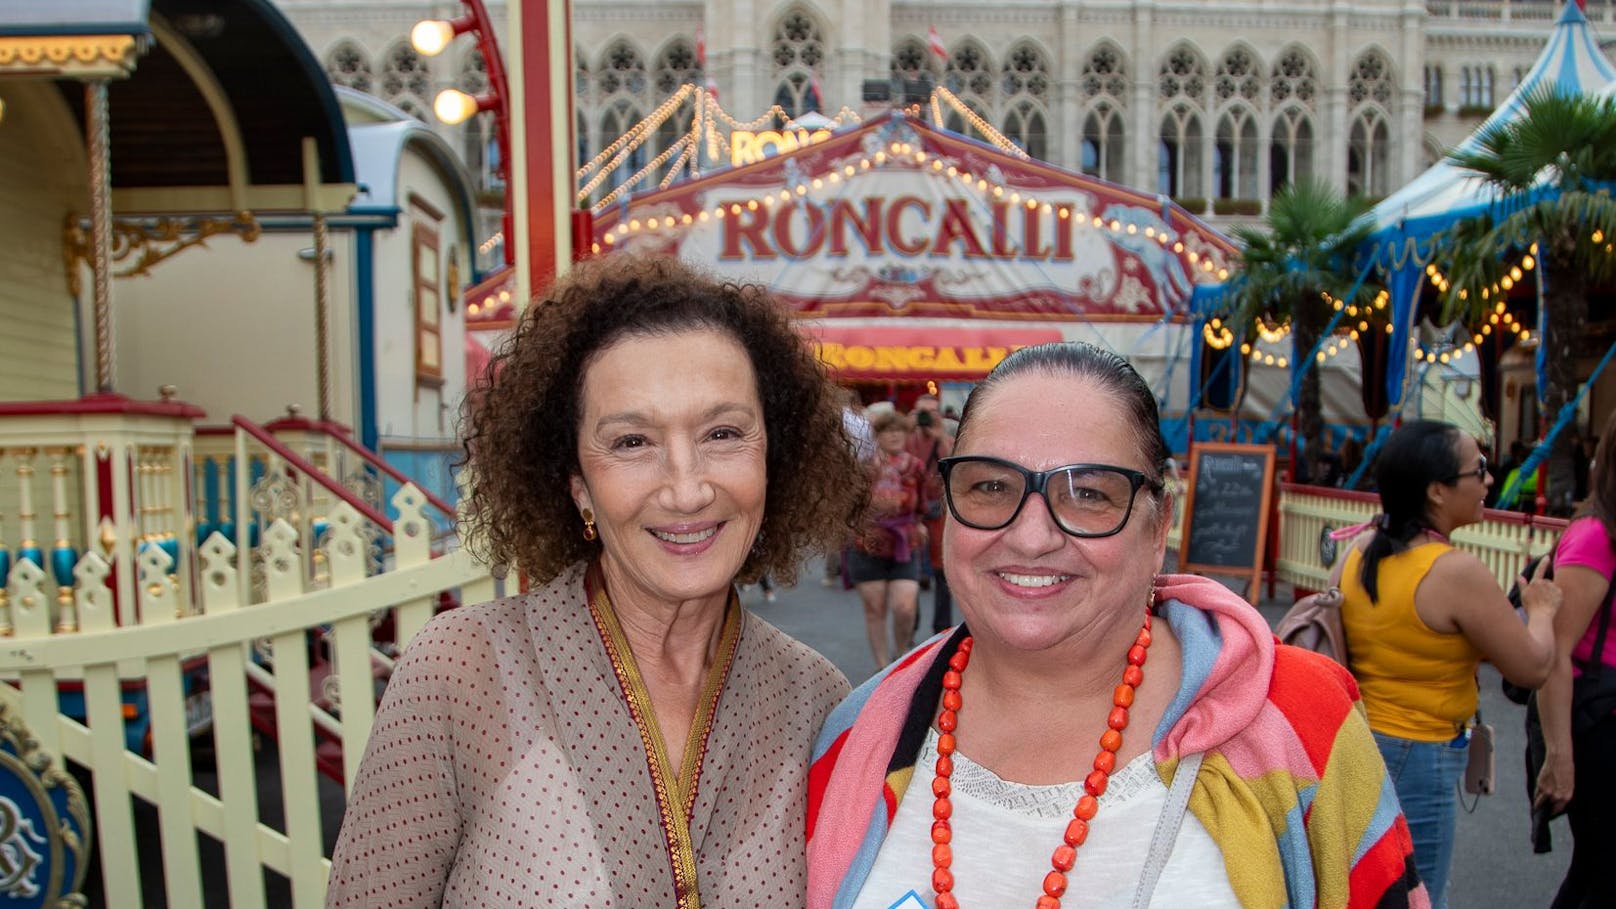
[(1004, 833)]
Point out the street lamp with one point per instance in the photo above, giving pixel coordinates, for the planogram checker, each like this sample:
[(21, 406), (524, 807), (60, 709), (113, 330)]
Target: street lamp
[(429, 37)]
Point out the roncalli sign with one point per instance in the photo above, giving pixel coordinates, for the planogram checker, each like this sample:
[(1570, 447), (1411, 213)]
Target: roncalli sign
[(894, 218)]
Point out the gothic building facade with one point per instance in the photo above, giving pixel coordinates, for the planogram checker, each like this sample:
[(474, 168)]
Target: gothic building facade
[(1215, 104)]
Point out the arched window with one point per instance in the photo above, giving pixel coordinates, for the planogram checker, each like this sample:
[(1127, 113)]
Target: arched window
[(1369, 94), (970, 76), (1234, 156), (1179, 156), (914, 72), (622, 87), (799, 51), (1102, 143), (1484, 81), (1182, 84), (1367, 155), (1183, 77), (347, 65), (583, 100), (676, 67), (1105, 96), (1371, 81), (1294, 79), (1024, 86), (1290, 151), (1238, 77), (482, 150), (1433, 85), (406, 81)]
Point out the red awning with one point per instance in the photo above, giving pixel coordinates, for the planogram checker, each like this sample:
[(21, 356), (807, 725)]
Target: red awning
[(918, 353)]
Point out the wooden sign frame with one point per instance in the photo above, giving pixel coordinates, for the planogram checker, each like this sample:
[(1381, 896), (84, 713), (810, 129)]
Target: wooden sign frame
[(1255, 572)]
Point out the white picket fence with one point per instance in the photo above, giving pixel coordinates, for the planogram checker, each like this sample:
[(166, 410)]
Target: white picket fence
[(268, 641)]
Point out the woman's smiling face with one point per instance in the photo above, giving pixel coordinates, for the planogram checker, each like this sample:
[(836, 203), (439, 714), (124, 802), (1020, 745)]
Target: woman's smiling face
[(1029, 584), (672, 463)]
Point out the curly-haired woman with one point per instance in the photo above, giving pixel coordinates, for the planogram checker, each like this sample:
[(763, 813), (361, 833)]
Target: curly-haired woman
[(625, 734)]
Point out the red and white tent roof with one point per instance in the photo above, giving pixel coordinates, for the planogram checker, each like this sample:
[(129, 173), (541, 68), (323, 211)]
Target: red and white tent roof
[(897, 219)]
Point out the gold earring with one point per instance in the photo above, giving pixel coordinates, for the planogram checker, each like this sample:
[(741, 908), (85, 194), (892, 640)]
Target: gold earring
[(589, 525)]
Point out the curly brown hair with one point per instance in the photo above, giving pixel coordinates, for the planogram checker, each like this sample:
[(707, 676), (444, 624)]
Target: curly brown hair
[(521, 435)]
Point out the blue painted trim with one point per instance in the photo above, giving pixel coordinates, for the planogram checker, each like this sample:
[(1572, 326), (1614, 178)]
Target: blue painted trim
[(365, 269)]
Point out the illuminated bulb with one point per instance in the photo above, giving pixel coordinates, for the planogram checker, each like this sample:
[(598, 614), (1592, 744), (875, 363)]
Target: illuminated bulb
[(1508, 282), (431, 36), (802, 190), (1338, 305), (1526, 336), (1245, 348), (610, 239), (1015, 198), (1353, 334), (1486, 329), (818, 183), (1599, 236), (687, 219), (1388, 329), (1515, 274), (1223, 274), (454, 106), (634, 224), (1282, 363), (880, 157), (785, 195), (1528, 263), (1065, 213), (1500, 306), (998, 192), (703, 216), (1444, 358), (849, 170), (1320, 356)]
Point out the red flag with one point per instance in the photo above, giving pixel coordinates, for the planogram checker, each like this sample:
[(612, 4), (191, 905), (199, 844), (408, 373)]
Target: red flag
[(936, 41), (819, 94), (701, 49)]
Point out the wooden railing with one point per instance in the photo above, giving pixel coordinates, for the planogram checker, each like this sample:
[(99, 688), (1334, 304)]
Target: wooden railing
[(238, 643), (1502, 539)]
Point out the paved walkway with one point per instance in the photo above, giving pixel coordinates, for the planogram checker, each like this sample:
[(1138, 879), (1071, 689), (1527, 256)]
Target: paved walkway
[(1494, 865)]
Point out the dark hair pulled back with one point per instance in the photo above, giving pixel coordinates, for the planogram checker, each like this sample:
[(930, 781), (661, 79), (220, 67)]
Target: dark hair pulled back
[(1416, 454)]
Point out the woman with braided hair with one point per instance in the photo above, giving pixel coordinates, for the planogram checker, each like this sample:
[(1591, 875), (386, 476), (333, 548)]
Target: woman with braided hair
[(1420, 616)]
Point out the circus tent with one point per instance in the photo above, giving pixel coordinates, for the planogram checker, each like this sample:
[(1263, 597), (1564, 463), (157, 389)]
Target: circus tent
[(1409, 223), (912, 254)]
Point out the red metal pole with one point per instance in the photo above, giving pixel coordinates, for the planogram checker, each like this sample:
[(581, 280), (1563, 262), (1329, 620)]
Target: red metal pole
[(488, 44)]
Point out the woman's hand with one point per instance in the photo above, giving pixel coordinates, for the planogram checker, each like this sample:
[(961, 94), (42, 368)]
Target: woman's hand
[(1540, 595), (1555, 783)]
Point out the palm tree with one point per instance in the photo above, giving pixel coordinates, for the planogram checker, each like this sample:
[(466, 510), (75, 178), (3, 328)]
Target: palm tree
[(1552, 169), (1291, 269)]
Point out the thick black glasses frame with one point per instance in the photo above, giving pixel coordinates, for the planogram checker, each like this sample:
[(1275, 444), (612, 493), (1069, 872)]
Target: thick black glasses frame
[(1036, 482), (1479, 472)]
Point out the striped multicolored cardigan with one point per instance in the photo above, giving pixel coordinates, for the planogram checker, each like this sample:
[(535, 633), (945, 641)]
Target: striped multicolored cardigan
[(1292, 787)]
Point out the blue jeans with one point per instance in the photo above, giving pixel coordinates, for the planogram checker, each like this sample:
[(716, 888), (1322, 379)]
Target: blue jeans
[(1426, 776)]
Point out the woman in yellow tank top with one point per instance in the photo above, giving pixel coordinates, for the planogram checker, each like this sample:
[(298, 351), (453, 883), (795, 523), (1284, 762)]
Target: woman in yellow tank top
[(1420, 616)]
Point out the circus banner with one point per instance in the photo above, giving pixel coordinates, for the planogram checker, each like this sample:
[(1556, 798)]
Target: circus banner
[(893, 218)]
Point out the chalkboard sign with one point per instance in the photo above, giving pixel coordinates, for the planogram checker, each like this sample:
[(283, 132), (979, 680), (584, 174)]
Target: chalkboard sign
[(1226, 512)]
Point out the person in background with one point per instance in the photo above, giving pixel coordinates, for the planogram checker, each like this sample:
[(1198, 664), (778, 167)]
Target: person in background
[(625, 734), (930, 442), (863, 442), (884, 562), (1420, 616), (1580, 739), (968, 774)]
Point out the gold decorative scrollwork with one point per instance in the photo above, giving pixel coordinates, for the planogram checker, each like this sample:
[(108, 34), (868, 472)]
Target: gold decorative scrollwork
[(140, 243)]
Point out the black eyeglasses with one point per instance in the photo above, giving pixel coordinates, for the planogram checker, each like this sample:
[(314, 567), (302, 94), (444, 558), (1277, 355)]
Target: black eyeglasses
[(1086, 500), (1479, 473)]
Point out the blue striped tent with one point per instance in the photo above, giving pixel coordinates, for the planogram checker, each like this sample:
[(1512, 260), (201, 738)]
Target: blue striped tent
[(1409, 222)]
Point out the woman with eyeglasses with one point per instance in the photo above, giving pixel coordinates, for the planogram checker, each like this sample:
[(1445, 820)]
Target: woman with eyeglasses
[(1094, 734), (1420, 616)]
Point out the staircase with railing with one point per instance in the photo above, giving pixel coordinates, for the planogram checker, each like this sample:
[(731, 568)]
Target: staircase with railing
[(152, 586)]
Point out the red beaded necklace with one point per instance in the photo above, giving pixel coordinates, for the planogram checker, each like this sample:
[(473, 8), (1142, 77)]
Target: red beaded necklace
[(1077, 830)]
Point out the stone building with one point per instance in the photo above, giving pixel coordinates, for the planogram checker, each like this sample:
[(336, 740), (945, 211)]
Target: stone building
[(1214, 104)]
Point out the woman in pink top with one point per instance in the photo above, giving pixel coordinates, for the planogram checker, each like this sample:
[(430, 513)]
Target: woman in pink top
[(1580, 738)]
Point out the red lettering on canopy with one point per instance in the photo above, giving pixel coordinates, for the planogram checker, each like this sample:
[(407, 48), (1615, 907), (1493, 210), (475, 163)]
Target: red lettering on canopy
[(869, 227), (895, 219), (786, 243), (751, 232), (957, 226), (1031, 246)]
